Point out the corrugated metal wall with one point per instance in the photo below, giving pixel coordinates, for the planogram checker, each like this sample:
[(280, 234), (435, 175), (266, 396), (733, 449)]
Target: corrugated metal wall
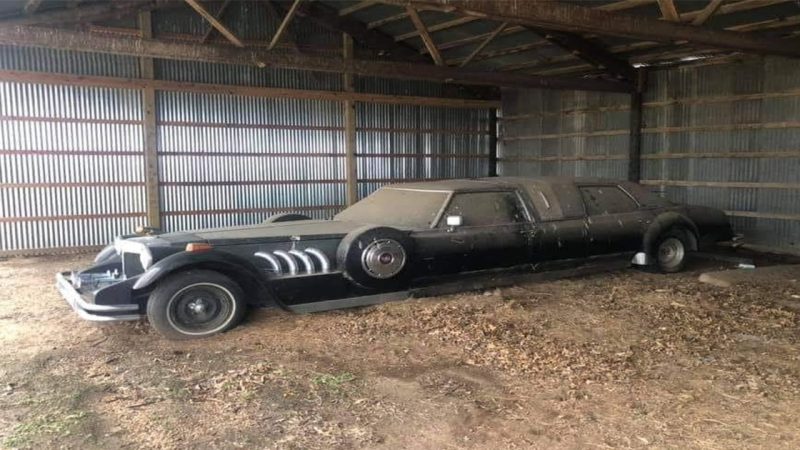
[(725, 135), (72, 157), (567, 133)]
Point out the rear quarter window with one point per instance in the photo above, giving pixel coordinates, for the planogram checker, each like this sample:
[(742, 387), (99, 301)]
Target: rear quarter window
[(602, 200)]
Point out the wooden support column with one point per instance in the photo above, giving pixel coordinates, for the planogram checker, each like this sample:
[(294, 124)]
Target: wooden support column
[(350, 143), (635, 145), (152, 193), (493, 142)]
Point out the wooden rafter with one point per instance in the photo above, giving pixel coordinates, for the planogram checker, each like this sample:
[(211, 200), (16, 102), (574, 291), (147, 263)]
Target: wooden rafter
[(218, 16), (483, 44), (625, 4), (379, 42), (590, 52), (357, 7), (502, 52), (706, 12), (425, 35), (572, 18), (668, 10), (195, 4), (476, 38), (438, 27), (284, 24), (62, 39)]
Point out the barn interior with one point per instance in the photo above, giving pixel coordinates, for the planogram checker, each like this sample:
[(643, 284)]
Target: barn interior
[(194, 114)]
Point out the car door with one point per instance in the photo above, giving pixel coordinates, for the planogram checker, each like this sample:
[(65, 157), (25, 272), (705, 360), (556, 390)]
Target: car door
[(493, 233), (614, 219), (559, 230)]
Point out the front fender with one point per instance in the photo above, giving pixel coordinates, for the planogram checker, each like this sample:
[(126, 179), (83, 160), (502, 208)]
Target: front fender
[(239, 269), (664, 222)]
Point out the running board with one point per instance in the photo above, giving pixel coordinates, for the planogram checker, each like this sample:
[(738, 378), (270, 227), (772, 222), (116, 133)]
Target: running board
[(463, 285)]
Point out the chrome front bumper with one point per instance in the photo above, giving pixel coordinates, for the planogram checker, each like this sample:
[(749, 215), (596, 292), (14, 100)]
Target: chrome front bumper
[(90, 311)]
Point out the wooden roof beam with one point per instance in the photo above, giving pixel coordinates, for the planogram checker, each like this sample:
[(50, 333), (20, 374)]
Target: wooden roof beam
[(284, 24), (438, 27), (590, 52), (379, 42), (483, 44), (425, 35), (668, 10), (223, 30), (218, 16), (706, 12), (578, 19), (62, 39)]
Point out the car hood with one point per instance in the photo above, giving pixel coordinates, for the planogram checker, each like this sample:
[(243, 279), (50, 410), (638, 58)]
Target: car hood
[(274, 232)]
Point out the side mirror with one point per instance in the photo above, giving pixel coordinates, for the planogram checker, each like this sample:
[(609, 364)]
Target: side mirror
[(453, 222)]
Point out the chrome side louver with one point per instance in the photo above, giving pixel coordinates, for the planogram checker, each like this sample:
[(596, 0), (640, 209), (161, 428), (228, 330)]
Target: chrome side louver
[(294, 261)]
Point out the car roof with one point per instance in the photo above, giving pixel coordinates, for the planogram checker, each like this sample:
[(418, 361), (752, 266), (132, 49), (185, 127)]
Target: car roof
[(492, 183)]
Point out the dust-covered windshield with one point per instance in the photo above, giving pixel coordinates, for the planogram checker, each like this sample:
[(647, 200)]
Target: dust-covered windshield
[(403, 208)]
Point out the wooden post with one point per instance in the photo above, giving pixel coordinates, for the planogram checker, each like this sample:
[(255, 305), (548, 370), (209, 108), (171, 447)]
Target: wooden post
[(350, 143), (152, 193), (493, 142), (635, 144)]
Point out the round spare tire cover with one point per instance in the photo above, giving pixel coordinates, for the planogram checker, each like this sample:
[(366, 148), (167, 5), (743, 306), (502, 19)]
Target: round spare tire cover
[(376, 257)]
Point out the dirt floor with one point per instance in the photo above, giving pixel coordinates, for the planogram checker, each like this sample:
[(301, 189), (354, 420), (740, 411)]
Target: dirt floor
[(628, 359)]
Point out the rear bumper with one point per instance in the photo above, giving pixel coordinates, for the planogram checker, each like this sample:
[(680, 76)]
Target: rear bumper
[(90, 311)]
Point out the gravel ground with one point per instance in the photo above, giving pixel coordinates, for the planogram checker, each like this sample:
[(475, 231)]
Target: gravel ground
[(622, 360)]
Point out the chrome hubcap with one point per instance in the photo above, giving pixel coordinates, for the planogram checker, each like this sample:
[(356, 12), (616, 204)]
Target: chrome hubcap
[(383, 258), (671, 252)]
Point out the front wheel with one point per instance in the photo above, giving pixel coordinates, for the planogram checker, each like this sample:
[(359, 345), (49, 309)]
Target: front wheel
[(672, 250), (195, 304)]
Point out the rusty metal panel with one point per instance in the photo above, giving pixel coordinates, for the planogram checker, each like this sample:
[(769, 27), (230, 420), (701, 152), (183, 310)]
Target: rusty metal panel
[(70, 165)]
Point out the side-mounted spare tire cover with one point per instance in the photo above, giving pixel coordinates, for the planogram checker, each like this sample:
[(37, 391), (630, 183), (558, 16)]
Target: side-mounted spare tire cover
[(286, 217), (376, 257)]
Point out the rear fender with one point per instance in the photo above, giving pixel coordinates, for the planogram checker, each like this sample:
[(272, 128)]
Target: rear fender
[(245, 273), (664, 222)]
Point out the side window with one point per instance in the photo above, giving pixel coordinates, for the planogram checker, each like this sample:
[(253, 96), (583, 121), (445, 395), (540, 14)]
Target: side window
[(602, 200), (485, 208)]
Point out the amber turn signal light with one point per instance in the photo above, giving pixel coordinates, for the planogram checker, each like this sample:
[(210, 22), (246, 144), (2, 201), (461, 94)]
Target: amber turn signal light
[(197, 247)]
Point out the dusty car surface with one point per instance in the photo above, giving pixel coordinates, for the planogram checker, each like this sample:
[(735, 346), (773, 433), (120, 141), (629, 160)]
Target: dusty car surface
[(198, 283)]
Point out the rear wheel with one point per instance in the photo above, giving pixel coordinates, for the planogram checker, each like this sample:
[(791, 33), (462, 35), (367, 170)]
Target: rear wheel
[(672, 250), (195, 304)]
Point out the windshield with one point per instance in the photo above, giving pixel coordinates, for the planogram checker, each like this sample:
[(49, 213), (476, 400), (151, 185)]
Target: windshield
[(394, 207)]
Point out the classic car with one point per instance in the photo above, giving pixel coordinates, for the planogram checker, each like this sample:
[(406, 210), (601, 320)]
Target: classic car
[(198, 283)]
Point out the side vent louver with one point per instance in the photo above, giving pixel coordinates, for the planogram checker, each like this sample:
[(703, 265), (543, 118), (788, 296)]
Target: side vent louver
[(294, 262)]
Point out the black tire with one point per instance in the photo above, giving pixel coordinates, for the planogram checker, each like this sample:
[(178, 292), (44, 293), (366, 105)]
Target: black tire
[(286, 217), (195, 304), (672, 249), (376, 257)]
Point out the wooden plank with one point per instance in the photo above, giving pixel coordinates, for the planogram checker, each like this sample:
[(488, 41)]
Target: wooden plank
[(24, 219), (87, 42), (763, 215), (223, 30), (565, 158), (350, 141), (483, 44), (425, 35), (147, 70), (81, 184), (455, 43), (724, 155), (251, 183), (706, 12), (205, 212), (668, 10), (284, 24), (590, 52), (723, 184), (69, 153), (572, 18), (635, 131), (246, 91), (434, 28), (219, 14)]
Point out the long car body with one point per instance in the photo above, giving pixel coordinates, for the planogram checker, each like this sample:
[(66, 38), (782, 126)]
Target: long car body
[(399, 237)]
